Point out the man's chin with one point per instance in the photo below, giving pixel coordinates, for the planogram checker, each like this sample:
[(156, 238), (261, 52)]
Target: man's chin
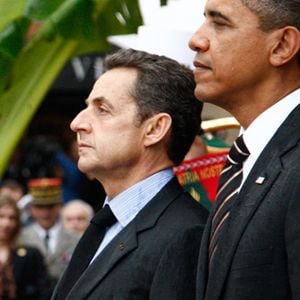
[(90, 176), (86, 170)]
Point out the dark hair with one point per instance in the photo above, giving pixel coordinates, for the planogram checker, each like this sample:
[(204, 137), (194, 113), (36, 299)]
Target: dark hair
[(163, 85), (274, 14), (12, 184), (7, 200)]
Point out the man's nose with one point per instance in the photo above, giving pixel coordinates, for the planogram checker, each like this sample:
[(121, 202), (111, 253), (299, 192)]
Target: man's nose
[(198, 41)]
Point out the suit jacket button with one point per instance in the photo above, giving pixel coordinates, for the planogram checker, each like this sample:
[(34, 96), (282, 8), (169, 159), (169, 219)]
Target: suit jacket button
[(121, 246)]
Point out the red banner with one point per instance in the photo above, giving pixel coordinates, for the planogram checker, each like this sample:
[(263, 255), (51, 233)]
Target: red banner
[(204, 170)]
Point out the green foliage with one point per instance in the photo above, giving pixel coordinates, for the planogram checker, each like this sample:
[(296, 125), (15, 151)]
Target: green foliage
[(41, 10), (10, 10), (37, 38)]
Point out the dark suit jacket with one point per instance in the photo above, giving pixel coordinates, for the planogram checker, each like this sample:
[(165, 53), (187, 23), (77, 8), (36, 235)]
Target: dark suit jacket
[(154, 257), (30, 273), (259, 254)]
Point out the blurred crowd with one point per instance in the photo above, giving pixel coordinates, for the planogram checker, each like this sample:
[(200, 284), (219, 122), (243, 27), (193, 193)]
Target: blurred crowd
[(45, 156), (38, 233), (46, 204)]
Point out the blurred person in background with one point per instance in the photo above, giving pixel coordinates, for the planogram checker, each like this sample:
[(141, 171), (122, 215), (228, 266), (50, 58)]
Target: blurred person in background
[(12, 188), (72, 178), (15, 189), (48, 156), (76, 215), (47, 232), (23, 273)]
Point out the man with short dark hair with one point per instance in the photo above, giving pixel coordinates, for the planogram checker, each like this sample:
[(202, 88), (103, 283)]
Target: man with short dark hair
[(247, 62), (141, 119)]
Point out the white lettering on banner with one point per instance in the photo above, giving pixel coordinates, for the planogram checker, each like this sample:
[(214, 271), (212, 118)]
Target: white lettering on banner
[(82, 66)]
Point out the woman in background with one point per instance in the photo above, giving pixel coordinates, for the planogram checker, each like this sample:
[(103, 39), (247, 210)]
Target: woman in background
[(23, 275)]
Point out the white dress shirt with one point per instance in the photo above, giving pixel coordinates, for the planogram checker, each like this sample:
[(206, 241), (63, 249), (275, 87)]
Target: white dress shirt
[(53, 235), (262, 129)]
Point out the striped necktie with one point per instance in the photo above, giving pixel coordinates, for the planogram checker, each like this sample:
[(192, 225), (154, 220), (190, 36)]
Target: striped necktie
[(229, 185)]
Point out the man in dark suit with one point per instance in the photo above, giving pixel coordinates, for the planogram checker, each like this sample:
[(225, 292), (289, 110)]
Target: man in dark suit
[(141, 119), (248, 63)]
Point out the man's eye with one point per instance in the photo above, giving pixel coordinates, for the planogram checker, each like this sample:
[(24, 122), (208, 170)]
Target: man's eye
[(218, 24), (102, 109)]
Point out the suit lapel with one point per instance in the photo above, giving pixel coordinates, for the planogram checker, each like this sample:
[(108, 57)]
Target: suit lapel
[(203, 261), (32, 236), (253, 192), (247, 203), (125, 242), (63, 242)]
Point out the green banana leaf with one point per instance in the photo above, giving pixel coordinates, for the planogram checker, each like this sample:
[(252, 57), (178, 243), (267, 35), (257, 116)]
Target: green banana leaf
[(37, 38)]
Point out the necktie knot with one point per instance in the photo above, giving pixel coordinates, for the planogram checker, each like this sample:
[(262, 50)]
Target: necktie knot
[(104, 217), (238, 152)]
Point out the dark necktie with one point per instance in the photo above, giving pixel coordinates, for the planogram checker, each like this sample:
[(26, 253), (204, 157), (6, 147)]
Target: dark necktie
[(85, 250), (46, 240), (229, 184)]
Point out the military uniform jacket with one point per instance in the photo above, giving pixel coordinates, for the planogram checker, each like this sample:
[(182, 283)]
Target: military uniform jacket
[(57, 261)]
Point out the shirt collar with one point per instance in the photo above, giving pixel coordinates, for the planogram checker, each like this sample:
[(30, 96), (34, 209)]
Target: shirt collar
[(53, 231), (130, 202), (261, 130)]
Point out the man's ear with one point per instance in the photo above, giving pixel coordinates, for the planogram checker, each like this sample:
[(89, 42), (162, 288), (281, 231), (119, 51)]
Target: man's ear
[(286, 45), (157, 128)]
